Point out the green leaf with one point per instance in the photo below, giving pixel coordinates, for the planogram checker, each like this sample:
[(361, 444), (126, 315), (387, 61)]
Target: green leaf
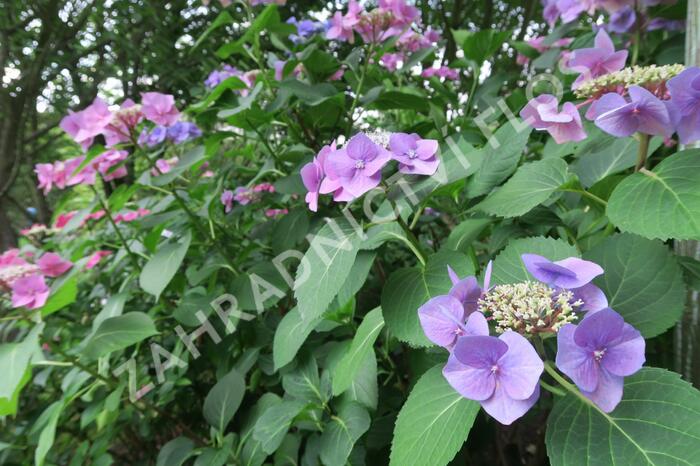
[(501, 161), (223, 400), (432, 424), (357, 276), (364, 388), (325, 267), (252, 453), (163, 266), (663, 203), (656, 423), (269, 18), (464, 234), (480, 45), (223, 19), (48, 420), (119, 332), (61, 298), (391, 100), (362, 345), (642, 280), (607, 155), (290, 230), (14, 360), (303, 382), (290, 334), (8, 406), (232, 83), (508, 266), (273, 425), (409, 288), (341, 433), (175, 452), (531, 185), (310, 94)]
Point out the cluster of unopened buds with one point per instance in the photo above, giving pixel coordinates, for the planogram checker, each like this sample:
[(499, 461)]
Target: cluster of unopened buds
[(596, 348), (350, 171), (652, 100), (391, 18)]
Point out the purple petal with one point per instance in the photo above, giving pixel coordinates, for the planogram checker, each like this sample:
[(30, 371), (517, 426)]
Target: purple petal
[(593, 297), (620, 122), (426, 149), (626, 356), (505, 409), (360, 147), (453, 275), (608, 393), (360, 183), (653, 115), (599, 329), (375, 164), (470, 382), (575, 361), (442, 320), (401, 143), (487, 275), (520, 368), (608, 102), (476, 325), (467, 292), (603, 42), (479, 351)]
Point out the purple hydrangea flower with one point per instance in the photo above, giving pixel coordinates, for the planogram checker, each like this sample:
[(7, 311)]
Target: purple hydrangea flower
[(598, 353), (415, 155), (312, 175), (571, 274), (597, 61), (685, 98), (622, 20), (357, 167), (183, 131), (227, 200), (443, 321), (467, 290), (155, 136), (667, 24), (502, 373), (643, 113), (542, 114)]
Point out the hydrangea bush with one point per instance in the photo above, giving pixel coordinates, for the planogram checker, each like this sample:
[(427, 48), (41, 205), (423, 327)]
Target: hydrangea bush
[(350, 244)]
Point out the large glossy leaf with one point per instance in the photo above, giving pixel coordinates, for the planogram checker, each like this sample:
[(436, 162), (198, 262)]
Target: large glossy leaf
[(433, 423), (325, 267), (14, 360), (508, 266), (663, 203), (642, 280), (223, 400), (303, 383), (64, 296), (408, 288), (657, 423), (500, 156), (175, 452), (362, 345), (118, 333), (47, 422), (466, 232), (163, 266), (341, 433), (275, 422), (531, 185), (290, 334), (480, 45)]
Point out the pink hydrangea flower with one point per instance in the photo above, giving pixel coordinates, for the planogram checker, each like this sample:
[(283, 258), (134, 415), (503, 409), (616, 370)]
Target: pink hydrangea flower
[(542, 114), (11, 257), (227, 200), (159, 108), (123, 122), (105, 163), (163, 166), (357, 167), (84, 125), (391, 61), (312, 175), (63, 219), (131, 215), (598, 60), (30, 292), (402, 13), (52, 265), (416, 156), (342, 26), (96, 258), (271, 213)]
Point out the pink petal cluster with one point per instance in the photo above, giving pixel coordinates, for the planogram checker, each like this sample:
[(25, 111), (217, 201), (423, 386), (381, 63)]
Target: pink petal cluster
[(391, 18), (131, 215), (244, 195), (271, 213), (164, 166), (27, 281), (62, 174), (538, 43), (159, 108), (542, 113), (95, 259), (84, 125), (441, 72), (356, 168)]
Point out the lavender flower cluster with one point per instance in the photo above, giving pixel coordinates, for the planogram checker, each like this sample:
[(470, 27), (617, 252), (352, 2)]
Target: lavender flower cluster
[(502, 373), (356, 168)]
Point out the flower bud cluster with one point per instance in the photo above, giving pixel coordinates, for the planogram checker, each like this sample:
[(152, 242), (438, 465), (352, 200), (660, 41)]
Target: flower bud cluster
[(653, 78), (529, 307)]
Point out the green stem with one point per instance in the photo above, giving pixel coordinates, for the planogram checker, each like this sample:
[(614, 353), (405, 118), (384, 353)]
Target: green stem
[(108, 214), (642, 152), (552, 388), (587, 194), (470, 97), (356, 99)]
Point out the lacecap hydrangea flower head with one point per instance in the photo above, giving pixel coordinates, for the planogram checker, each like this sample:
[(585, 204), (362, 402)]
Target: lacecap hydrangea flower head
[(503, 372)]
